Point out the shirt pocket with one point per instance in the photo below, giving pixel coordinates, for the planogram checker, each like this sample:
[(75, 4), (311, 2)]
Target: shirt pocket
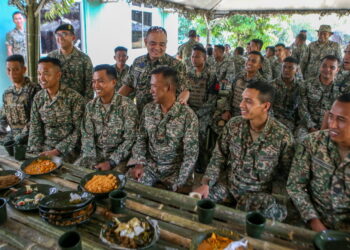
[(63, 116), (267, 164)]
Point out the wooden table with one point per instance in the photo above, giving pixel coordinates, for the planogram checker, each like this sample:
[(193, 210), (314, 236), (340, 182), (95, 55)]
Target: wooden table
[(175, 213)]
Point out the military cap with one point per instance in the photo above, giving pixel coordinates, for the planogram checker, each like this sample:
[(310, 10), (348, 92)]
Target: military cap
[(66, 26), (325, 28)]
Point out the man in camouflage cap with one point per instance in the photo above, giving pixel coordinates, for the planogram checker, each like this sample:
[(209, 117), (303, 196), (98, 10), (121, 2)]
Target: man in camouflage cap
[(343, 76), (166, 149), (319, 181), (109, 124), (185, 50), (310, 63), (138, 78), (252, 150), (76, 65), (17, 100), (16, 39), (56, 114)]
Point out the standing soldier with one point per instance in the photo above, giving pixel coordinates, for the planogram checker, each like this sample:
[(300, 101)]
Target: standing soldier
[(76, 65), (238, 60), (139, 76), (166, 149), (185, 50), (310, 63), (120, 57), (56, 114), (17, 100), (299, 47), (109, 125), (16, 38)]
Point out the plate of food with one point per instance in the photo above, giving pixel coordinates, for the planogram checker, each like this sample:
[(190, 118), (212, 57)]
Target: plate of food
[(41, 165), (219, 240), (101, 183), (66, 200), (130, 233), (27, 198), (10, 178)]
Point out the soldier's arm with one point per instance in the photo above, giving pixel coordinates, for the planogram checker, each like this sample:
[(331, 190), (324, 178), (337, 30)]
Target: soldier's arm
[(190, 149), (127, 83), (88, 147), (9, 44), (129, 135), (139, 150), (70, 142), (37, 131), (287, 155), (89, 92), (298, 180)]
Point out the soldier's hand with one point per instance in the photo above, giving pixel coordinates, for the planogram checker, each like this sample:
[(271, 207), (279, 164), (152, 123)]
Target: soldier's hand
[(104, 166), (137, 172), (53, 152), (203, 190), (226, 116), (184, 96), (317, 225)]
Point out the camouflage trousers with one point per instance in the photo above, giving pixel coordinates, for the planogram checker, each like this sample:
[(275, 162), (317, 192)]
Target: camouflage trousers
[(250, 201), (203, 157)]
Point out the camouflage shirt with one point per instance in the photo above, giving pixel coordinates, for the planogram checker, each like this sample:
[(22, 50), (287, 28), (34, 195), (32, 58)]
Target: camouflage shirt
[(55, 124), (319, 182), (286, 101), (120, 75), (185, 50), (276, 67), (311, 62), (239, 62), (266, 71), (16, 107), (299, 51), (316, 99), (251, 165), (170, 141), (343, 80), (76, 71), (109, 133), (139, 77), (225, 72), (17, 39)]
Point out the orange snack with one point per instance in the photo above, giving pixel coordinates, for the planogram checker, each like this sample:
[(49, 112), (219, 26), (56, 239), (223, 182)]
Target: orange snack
[(40, 166), (215, 242), (101, 183)]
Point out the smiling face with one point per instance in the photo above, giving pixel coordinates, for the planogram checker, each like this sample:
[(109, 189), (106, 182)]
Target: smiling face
[(103, 84), (19, 20), (323, 36), (155, 43), (251, 106), (329, 70), (346, 59), (121, 57), (339, 122), (64, 39), (159, 88), (253, 63), (49, 75)]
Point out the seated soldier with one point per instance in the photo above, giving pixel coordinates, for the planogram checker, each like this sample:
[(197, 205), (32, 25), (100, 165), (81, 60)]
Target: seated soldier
[(252, 150), (166, 149), (17, 101), (109, 125), (343, 76), (319, 181), (56, 114)]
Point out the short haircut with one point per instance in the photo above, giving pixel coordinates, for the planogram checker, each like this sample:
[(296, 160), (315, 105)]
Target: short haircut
[(302, 37), (199, 48), (240, 50), (120, 48), (52, 60), (16, 13), (258, 42), (220, 47), (280, 45), (288, 48), (271, 48), (291, 59), (168, 73), (257, 53), (16, 58), (227, 45), (331, 58), (344, 98), (156, 29), (267, 91), (210, 51), (303, 31), (110, 70)]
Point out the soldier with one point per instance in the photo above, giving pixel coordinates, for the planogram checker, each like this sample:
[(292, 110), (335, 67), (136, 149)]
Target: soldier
[(204, 90), (109, 125), (210, 57), (16, 38), (343, 76), (288, 51), (318, 181), (56, 114), (299, 47), (266, 72), (270, 54), (120, 57), (76, 65), (227, 50), (17, 100), (224, 67), (166, 149), (318, 94), (310, 63), (238, 60), (185, 50), (276, 65), (139, 76), (285, 105), (252, 150)]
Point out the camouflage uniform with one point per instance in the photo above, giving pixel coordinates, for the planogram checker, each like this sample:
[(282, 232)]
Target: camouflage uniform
[(239, 62), (271, 58), (108, 133), (311, 62), (139, 77), (185, 50), (316, 99), (55, 124), (167, 144), (343, 80), (76, 71), (266, 71), (120, 75), (319, 182), (17, 39), (299, 51), (286, 101), (16, 110), (210, 60), (276, 67), (248, 168)]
